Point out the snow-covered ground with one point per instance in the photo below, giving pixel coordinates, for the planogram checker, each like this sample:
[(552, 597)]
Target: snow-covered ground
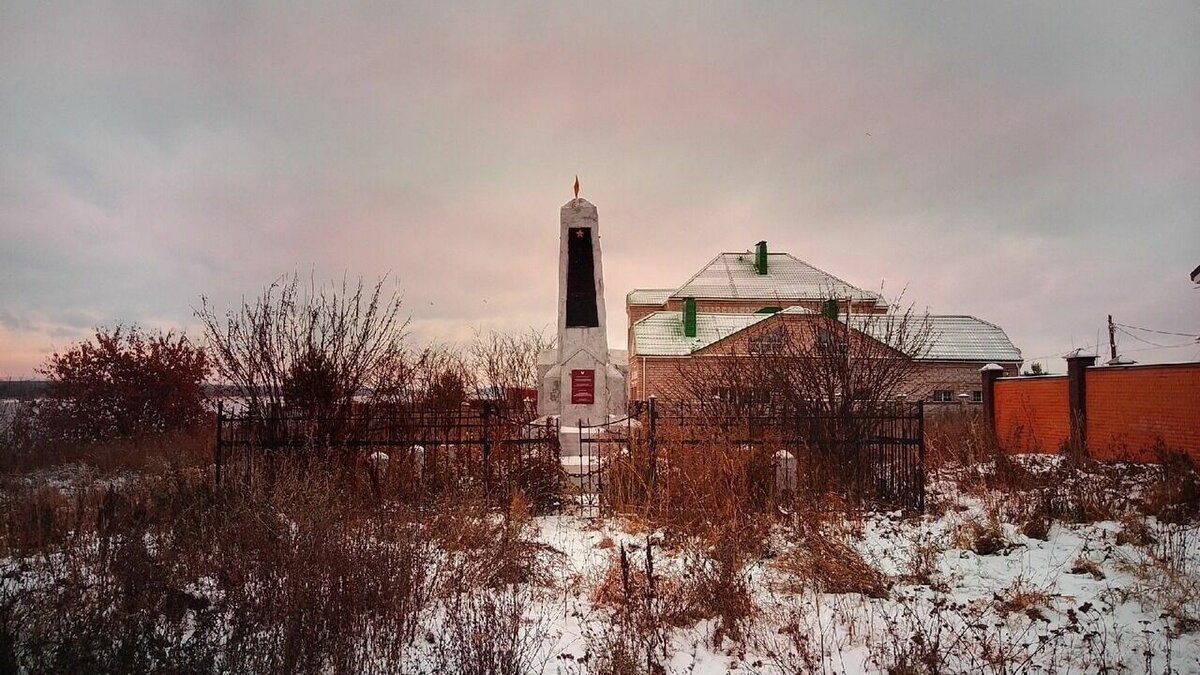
[(1088, 597), (1075, 602), (1077, 622)]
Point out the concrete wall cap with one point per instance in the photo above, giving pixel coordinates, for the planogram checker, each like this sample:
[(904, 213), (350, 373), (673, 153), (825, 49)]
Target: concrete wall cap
[(991, 368)]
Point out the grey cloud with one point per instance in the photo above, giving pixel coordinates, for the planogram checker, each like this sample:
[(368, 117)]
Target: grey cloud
[(1032, 164)]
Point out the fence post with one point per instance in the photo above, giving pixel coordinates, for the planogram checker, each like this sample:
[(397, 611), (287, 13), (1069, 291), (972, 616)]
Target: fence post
[(652, 438), (218, 450), (1077, 364), (921, 456), (487, 451), (989, 374)]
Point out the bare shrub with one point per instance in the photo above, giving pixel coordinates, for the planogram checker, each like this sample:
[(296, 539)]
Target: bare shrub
[(635, 637), (170, 575), (35, 519), (310, 349), (506, 363), (958, 437), (147, 454), (716, 581), (488, 632), (700, 478), (1174, 497), (490, 550)]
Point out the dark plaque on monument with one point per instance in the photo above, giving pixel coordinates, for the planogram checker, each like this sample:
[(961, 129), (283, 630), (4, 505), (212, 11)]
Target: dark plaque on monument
[(581, 280), (583, 387)]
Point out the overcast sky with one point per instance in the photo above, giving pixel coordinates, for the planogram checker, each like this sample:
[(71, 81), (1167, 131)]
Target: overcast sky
[(1036, 165)]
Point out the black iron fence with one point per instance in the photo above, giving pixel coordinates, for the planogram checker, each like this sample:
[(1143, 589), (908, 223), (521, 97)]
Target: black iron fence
[(870, 455), (406, 452)]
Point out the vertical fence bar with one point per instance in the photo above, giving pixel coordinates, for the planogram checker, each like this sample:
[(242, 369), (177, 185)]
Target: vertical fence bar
[(652, 446), (921, 456), (487, 451), (218, 450)]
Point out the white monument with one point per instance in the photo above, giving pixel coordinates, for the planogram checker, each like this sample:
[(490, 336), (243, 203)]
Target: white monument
[(581, 378)]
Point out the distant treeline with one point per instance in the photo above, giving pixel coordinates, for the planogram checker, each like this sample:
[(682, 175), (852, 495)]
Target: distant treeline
[(25, 389)]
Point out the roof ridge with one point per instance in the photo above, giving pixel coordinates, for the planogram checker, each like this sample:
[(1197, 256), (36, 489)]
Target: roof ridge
[(729, 275), (966, 316), (697, 274)]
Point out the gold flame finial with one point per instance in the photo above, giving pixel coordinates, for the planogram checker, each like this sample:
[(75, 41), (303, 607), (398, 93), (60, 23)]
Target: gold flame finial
[(576, 187)]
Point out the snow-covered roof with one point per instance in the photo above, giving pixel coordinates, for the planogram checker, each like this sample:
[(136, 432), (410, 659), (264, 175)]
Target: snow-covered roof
[(661, 333), (649, 296), (732, 275), (953, 337)]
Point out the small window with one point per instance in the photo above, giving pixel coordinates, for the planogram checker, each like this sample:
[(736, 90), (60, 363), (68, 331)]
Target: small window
[(828, 341), (770, 342), (943, 396), (977, 396)]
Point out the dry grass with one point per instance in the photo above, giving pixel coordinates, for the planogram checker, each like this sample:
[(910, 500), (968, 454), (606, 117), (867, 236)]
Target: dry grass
[(828, 564), (983, 535), (1021, 597), (300, 571)]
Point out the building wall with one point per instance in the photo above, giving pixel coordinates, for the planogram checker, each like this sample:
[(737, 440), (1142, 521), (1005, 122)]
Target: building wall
[(675, 377), (957, 377), (1131, 408), (1031, 413), (638, 312)]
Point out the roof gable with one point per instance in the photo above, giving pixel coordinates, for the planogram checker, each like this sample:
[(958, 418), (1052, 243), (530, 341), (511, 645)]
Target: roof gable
[(661, 333)]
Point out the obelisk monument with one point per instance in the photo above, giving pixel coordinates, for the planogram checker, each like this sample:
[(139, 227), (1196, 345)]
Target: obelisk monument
[(581, 378)]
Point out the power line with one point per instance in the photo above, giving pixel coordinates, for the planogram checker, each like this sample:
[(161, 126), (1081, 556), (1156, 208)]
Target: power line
[(1160, 332), (1155, 344)]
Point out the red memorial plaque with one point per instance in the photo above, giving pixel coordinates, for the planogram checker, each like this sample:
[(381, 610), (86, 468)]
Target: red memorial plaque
[(583, 387)]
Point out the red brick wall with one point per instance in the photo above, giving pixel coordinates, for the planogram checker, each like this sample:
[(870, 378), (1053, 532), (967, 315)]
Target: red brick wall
[(1130, 408), (1130, 411), (1032, 413)]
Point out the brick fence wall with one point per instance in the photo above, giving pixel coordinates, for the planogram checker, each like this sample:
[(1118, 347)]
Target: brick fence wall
[(1130, 408), (1117, 412), (1031, 413)]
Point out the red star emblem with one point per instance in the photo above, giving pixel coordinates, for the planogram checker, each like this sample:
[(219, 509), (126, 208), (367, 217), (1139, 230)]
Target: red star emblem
[(579, 234)]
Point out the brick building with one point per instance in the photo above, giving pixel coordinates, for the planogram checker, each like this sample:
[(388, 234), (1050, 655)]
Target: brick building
[(738, 299)]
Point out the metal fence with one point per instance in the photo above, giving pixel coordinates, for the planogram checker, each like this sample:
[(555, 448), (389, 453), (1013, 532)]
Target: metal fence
[(407, 452), (872, 455)]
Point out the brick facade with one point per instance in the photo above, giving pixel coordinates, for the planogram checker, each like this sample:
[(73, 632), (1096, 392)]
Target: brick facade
[(1128, 411), (666, 376)]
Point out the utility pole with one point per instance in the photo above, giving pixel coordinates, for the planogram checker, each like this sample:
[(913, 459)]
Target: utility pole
[(1112, 340)]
